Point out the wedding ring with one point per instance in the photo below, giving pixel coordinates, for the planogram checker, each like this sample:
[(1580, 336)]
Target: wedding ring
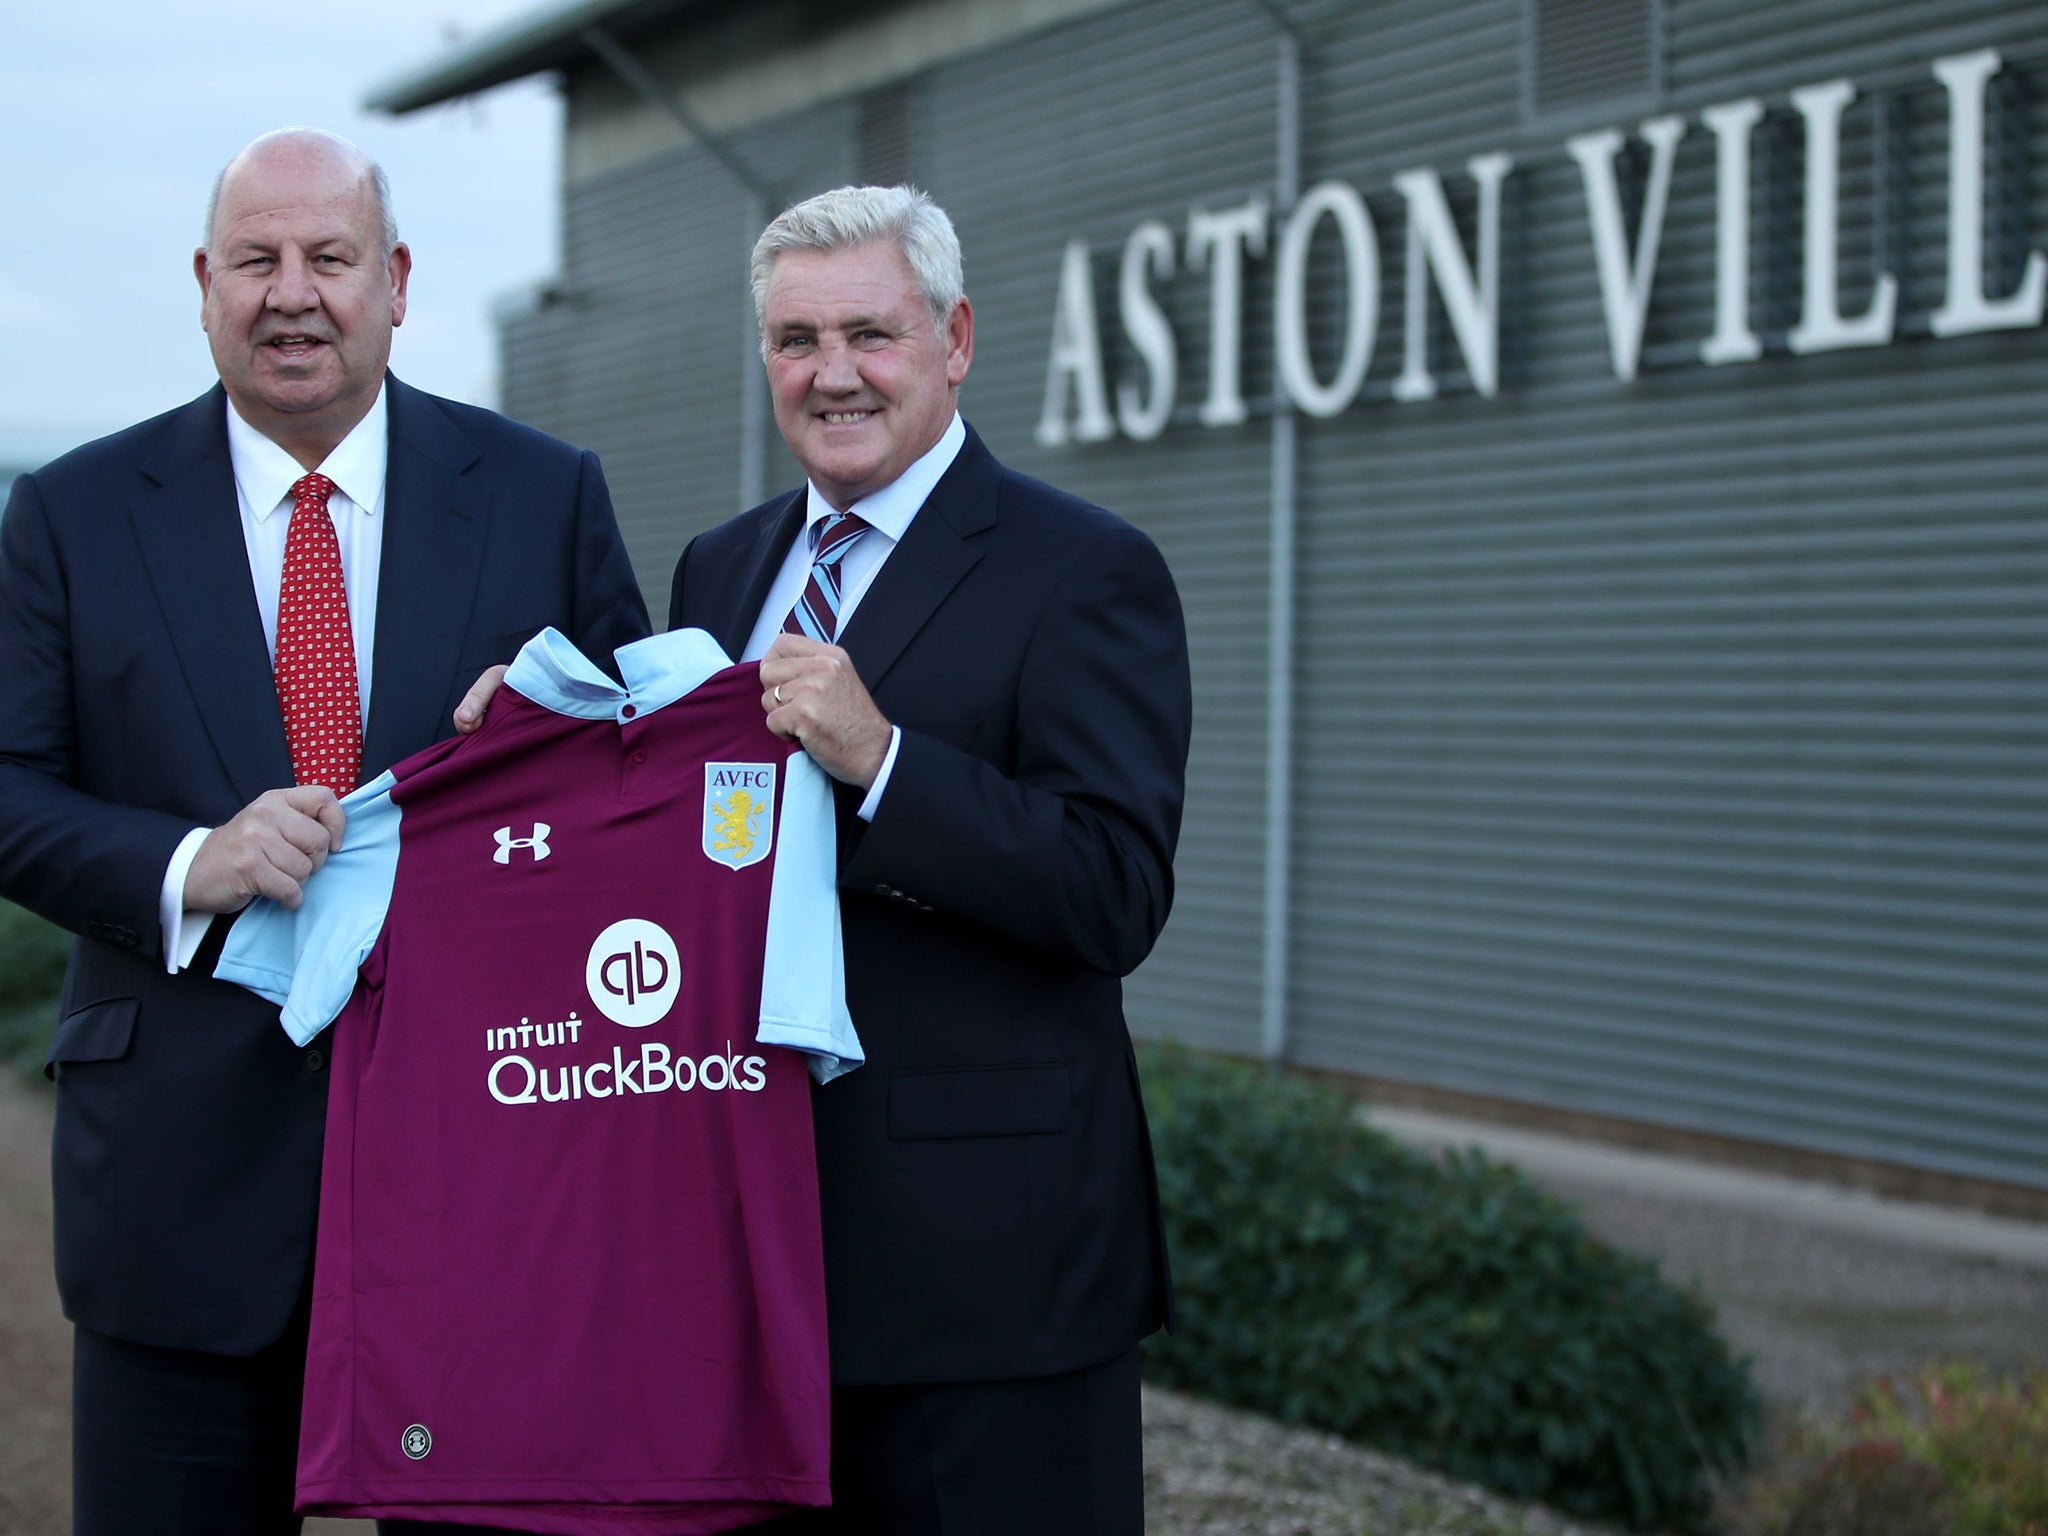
[(778, 693)]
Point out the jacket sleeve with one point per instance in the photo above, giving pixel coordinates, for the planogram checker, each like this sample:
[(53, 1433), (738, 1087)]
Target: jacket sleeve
[(84, 863), (1069, 848)]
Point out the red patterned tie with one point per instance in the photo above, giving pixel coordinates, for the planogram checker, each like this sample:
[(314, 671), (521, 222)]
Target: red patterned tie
[(316, 653), (817, 610)]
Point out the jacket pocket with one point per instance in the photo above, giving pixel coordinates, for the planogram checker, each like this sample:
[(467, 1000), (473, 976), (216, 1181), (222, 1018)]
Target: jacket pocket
[(99, 1031), (989, 1101)]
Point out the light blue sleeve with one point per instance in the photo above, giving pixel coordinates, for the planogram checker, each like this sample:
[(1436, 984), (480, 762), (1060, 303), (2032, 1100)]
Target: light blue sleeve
[(803, 976), (306, 961)]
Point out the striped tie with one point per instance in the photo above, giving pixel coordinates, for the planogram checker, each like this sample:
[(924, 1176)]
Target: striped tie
[(817, 612)]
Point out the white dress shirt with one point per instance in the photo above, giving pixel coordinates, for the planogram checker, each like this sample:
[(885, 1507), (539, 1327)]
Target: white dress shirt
[(264, 477), (888, 512)]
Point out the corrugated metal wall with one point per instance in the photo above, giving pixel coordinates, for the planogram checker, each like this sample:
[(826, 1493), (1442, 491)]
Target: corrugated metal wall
[(1062, 138), (1673, 750), (643, 351), (1670, 749)]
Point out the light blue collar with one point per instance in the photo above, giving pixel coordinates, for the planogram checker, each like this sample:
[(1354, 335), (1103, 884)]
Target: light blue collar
[(658, 670)]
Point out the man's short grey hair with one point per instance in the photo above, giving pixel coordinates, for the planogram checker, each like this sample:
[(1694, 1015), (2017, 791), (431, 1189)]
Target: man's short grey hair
[(380, 184), (847, 217)]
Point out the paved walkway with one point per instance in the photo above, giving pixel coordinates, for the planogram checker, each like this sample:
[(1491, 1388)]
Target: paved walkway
[(1823, 1287)]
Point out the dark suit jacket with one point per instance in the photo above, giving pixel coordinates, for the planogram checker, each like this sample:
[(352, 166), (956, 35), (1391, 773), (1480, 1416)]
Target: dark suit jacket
[(136, 702), (988, 1197)]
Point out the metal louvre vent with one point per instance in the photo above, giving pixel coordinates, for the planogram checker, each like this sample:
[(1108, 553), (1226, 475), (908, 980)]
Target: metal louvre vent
[(1589, 51), (883, 131)]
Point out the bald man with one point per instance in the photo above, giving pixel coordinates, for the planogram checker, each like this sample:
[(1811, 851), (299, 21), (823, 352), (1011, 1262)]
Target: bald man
[(180, 707)]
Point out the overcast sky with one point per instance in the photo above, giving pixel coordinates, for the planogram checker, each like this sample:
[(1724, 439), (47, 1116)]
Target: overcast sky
[(115, 115)]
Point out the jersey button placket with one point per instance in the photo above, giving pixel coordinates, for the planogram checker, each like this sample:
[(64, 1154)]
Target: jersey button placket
[(632, 755)]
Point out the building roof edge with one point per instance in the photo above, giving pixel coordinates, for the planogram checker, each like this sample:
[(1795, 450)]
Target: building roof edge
[(541, 40)]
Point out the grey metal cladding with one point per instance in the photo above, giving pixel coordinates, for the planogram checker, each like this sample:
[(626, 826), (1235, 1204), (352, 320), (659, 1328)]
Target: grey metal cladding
[(1581, 53), (882, 128), (1672, 749), (644, 354), (1061, 137)]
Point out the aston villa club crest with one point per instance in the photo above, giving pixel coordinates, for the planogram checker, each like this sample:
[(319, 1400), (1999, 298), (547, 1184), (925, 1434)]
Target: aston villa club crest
[(739, 813)]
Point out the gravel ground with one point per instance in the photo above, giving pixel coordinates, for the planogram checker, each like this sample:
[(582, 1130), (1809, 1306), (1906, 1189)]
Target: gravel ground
[(1213, 1472)]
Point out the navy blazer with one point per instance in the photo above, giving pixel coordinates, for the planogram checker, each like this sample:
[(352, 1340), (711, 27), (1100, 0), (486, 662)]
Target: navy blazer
[(989, 1204), (136, 702)]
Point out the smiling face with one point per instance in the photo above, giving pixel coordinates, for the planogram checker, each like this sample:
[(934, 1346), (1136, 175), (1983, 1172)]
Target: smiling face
[(298, 298), (864, 383)]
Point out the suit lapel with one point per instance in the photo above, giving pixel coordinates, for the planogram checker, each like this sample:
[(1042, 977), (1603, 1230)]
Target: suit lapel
[(936, 553), (760, 564), (435, 517), (188, 524)]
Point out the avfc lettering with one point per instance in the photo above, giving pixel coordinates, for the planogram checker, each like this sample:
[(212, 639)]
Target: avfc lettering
[(755, 776)]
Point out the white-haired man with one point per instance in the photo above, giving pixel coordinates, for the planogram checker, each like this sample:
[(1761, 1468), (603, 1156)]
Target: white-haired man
[(210, 624), (996, 673)]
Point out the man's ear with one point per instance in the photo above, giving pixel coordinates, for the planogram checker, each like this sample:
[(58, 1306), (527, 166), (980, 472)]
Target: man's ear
[(959, 342), (398, 269)]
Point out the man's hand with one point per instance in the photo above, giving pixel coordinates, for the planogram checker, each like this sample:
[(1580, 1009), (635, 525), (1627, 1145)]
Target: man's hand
[(271, 848), (812, 693), (469, 714)]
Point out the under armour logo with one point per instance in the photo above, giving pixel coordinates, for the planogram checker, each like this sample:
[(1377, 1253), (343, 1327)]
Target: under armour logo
[(507, 842)]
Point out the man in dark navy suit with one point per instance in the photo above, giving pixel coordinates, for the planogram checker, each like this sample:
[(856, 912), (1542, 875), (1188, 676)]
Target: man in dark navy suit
[(147, 784), (996, 673)]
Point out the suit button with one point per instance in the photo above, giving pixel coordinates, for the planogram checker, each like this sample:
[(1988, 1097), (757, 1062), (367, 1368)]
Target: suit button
[(316, 1060), (885, 890)]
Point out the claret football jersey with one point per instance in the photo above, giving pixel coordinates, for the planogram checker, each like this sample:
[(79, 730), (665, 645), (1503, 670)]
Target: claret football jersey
[(581, 966)]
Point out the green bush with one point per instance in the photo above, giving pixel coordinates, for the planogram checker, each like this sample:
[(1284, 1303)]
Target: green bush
[(1953, 1452), (31, 970), (1449, 1312), (1869, 1488)]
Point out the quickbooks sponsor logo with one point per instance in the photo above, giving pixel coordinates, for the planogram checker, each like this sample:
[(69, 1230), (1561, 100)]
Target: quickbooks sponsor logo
[(633, 973), (651, 1069)]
